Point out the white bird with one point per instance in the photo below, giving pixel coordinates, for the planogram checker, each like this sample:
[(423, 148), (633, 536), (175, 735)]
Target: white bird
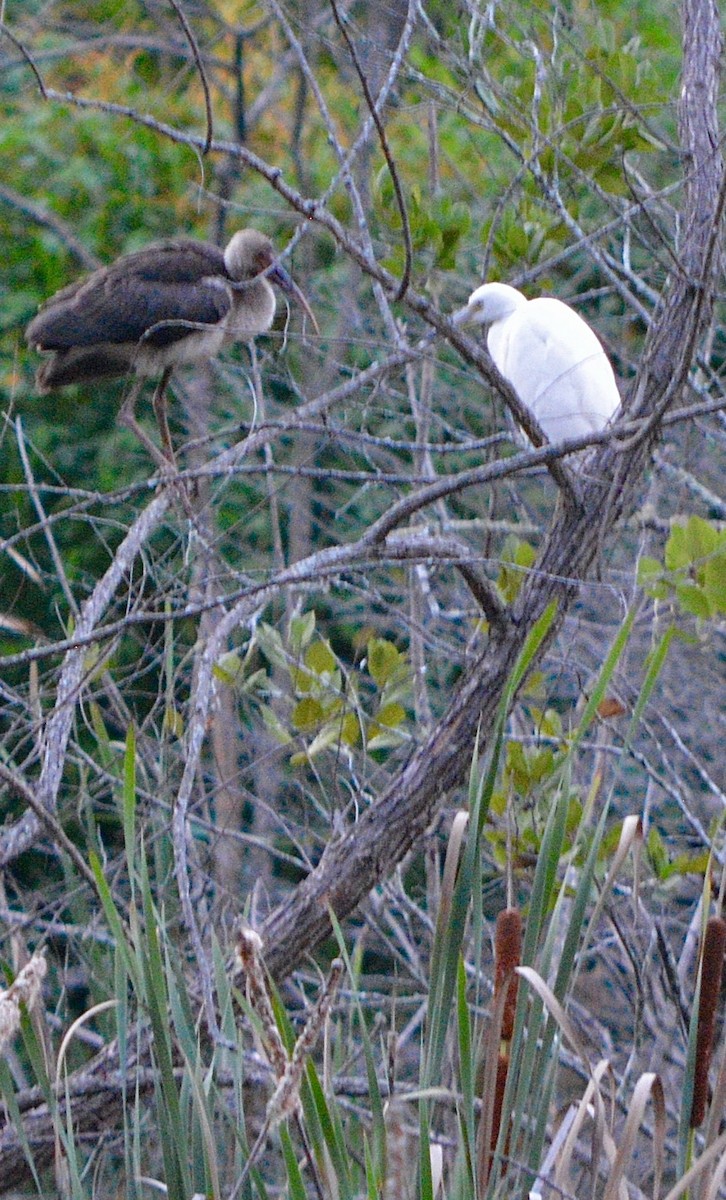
[(551, 357)]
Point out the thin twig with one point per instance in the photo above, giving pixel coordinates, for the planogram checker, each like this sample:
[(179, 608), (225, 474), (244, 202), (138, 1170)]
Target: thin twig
[(19, 46), (49, 822), (43, 519), (202, 73), (20, 836), (393, 171)]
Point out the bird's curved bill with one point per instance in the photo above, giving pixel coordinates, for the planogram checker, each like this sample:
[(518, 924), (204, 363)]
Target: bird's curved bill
[(463, 316), (277, 274)]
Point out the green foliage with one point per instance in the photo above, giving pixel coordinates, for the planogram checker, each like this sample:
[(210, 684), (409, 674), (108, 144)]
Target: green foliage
[(693, 571), (517, 557), (438, 225), (329, 707), (524, 139), (200, 1141), (666, 866)]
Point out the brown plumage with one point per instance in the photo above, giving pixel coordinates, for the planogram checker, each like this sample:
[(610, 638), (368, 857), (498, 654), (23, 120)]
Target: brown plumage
[(148, 312)]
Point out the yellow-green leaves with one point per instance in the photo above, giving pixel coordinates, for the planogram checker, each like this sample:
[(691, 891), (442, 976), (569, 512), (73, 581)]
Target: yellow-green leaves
[(517, 556), (693, 571), (385, 662), (310, 700)]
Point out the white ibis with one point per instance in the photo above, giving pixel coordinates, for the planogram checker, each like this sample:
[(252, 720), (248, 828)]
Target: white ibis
[(174, 302), (551, 357)]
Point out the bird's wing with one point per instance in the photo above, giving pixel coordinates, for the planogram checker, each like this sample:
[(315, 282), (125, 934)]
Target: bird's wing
[(540, 344), (154, 297), (557, 366)]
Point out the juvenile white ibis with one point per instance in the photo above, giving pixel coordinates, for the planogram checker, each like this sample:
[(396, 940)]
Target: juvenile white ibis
[(551, 357), (174, 302)]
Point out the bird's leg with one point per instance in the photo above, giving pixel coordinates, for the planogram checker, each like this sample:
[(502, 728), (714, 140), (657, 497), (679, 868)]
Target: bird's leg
[(127, 418), (165, 462), (159, 403)]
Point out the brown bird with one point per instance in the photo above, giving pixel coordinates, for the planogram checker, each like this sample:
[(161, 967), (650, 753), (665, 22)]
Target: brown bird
[(172, 303)]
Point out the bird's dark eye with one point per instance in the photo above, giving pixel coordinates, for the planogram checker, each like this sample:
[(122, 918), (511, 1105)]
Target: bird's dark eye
[(262, 260)]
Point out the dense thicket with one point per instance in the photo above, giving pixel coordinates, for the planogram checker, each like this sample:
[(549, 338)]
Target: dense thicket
[(270, 693)]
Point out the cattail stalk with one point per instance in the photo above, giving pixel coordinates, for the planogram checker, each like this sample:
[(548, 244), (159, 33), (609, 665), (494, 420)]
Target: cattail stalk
[(507, 956), (714, 949)]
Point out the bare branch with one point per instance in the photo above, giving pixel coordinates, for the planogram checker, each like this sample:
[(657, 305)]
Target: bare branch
[(369, 850), (400, 201), (202, 73), (17, 838)]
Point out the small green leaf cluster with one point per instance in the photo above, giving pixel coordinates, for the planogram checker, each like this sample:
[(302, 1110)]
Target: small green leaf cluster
[(438, 224), (666, 866), (693, 571), (517, 556), (530, 769), (324, 704)]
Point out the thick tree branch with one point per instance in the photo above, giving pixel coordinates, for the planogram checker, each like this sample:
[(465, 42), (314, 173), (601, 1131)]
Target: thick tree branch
[(355, 862)]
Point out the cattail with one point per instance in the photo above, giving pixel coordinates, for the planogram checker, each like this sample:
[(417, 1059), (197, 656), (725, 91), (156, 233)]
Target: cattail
[(714, 948), (502, 1072), (507, 956), (25, 990), (286, 1098), (249, 955)]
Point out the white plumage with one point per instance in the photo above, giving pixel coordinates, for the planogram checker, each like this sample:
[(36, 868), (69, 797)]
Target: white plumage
[(551, 357)]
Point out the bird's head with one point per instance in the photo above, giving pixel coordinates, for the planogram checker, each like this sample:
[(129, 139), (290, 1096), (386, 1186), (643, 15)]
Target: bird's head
[(249, 254), (489, 303)]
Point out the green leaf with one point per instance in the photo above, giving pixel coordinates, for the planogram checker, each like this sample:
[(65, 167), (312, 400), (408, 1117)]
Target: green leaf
[(381, 738), (534, 686), (7, 1092), (296, 1187), (256, 682), (129, 803), (676, 550), (114, 920), (274, 725), (391, 715), (301, 631), (350, 734), (690, 543), (328, 736), (517, 557), (516, 765), (99, 728), (649, 569), (702, 538), (333, 1134), (657, 852), (693, 599), (307, 714), (173, 721), (320, 658), (714, 581), (383, 660), (270, 643), (303, 681), (690, 864), (695, 558), (227, 668)]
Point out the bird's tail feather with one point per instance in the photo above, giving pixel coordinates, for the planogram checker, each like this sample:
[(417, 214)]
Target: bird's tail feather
[(82, 364)]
